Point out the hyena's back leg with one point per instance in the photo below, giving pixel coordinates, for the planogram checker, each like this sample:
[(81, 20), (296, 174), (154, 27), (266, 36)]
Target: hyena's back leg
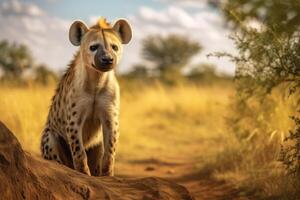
[(95, 156), (55, 148)]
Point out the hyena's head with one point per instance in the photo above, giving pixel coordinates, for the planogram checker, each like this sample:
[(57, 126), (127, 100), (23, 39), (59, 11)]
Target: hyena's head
[(100, 45)]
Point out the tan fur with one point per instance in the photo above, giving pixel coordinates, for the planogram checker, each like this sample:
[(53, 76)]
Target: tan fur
[(83, 116)]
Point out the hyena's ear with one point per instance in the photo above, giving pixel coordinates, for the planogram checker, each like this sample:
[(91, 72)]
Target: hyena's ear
[(123, 28), (76, 32)]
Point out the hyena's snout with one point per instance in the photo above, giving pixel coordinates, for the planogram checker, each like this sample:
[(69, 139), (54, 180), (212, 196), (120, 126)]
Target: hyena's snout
[(104, 61)]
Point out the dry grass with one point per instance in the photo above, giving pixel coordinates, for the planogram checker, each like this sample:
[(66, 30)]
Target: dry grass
[(172, 122), (24, 111), (154, 119), (149, 115), (253, 162)]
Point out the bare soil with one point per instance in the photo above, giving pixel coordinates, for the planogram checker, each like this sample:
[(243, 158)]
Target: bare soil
[(183, 172), (24, 176)]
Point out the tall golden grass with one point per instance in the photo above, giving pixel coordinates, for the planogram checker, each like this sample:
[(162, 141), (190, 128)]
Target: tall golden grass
[(174, 122), (253, 162), (178, 114)]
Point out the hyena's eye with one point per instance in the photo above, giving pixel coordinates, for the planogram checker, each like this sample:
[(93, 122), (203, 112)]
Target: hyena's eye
[(114, 47), (94, 47)]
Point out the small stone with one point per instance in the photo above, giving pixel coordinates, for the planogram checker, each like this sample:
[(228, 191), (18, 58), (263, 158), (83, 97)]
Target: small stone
[(171, 171), (149, 168)]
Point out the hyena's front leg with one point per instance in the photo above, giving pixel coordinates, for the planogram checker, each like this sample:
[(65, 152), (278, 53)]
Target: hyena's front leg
[(95, 157), (79, 156), (110, 120), (74, 133)]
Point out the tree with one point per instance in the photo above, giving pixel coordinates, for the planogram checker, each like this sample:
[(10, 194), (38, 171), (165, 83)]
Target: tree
[(268, 59), (169, 53), (203, 72), (281, 17), (139, 71), (14, 58), (44, 75)]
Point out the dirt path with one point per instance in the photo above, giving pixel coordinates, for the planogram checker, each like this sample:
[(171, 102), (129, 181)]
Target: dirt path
[(185, 173), (185, 166)]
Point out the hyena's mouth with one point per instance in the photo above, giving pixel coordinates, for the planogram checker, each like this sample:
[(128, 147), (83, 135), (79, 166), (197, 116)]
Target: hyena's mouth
[(105, 68)]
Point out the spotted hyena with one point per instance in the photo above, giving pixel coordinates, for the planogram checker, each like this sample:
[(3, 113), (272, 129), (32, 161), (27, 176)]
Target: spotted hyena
[(82, 127)]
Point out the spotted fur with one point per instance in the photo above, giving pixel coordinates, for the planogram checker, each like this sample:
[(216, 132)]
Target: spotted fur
[(82, 127)]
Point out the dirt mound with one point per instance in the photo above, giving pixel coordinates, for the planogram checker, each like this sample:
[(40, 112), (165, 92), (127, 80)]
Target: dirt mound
[(24, 176)]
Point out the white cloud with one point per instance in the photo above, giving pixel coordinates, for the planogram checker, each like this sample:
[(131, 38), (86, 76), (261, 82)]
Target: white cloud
[(192, 4), (205, 26), (151, 15), (199, 4), (34, 10), (14, 7), (46, 36)]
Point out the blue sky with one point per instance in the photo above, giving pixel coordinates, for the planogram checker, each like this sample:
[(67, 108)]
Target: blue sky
[(70, 9), (44, 24)]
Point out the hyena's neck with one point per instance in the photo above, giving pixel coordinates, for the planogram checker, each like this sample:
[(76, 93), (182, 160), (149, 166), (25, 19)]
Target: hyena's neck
[(88, 79)]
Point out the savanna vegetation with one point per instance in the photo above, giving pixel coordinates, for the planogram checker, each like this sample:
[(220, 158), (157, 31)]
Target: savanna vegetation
[(264, 117), (243, 130)]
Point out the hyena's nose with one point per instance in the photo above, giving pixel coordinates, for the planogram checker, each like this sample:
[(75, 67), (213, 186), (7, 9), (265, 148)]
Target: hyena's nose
[(107, 60)]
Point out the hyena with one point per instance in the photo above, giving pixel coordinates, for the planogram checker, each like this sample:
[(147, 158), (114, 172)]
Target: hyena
[(82, 127)]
